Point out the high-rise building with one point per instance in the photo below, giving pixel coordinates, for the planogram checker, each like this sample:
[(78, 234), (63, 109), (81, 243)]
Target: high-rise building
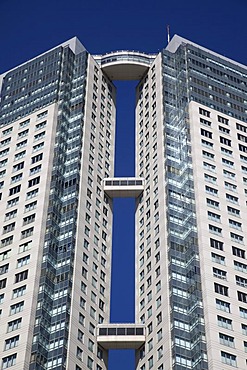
[(57, 131)]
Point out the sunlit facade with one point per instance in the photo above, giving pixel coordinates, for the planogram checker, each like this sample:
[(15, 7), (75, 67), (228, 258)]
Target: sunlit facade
[(57, 129)]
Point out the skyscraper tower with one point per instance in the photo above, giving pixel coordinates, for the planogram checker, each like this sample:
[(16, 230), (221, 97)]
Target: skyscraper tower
[(57, 125)]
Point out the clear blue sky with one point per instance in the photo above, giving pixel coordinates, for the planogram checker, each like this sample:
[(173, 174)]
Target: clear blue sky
[(28, 28)]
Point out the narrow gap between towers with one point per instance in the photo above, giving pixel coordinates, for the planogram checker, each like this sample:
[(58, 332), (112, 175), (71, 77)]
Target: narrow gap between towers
[(123, 256)]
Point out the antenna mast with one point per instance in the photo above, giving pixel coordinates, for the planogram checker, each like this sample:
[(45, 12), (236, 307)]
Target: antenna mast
[(168, 33)]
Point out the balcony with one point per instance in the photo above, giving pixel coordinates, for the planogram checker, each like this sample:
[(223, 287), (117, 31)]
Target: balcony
[(123, 187), (121, 336)]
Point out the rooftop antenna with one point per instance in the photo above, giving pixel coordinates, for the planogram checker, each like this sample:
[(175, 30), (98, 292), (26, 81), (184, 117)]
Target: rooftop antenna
[(168, 33)]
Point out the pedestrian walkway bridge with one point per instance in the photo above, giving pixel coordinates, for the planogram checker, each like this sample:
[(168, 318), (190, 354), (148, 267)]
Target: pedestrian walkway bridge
[(125, 64), (121, 336)]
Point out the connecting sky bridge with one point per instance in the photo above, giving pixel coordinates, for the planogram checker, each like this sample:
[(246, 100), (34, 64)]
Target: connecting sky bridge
[(121, 336), (123, 187), (125, 64)]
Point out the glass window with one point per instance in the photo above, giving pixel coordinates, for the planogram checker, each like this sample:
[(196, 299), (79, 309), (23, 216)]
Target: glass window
[(18, 292), (14, 325), (221, 289), (23, 261), (16, 308), (244, 329), (11, 342), (4, 269), (228, 359), (241, 281), (222, 305), (243, 312), (217, 244), (224, 322), (21, 276), (226, 340), (9, 361), (219, 273)]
